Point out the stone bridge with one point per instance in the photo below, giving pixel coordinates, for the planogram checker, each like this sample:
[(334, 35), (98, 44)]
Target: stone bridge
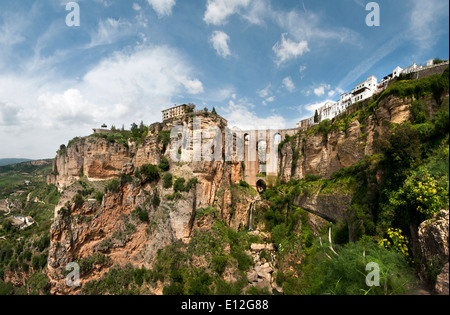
[(261, 158)]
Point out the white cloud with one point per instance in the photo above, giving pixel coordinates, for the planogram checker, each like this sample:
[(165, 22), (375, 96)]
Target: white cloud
[(218, 11), (320, 91), (288, 84), (265, 92), (309, 26), (310, 109), (10, 33), (162, 7), (136, 6), (8, 114), (288, 49), (425, 22), (123, 88), (270, 99), (302, 69), (220, 40), (109, 31), (239, 115), (335, 92)]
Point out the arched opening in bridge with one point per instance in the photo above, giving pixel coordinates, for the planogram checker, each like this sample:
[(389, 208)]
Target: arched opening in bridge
[(262, 156), (278, 138), (261, 186)]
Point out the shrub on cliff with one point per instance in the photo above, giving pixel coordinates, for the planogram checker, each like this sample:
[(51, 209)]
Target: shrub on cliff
[(142, 215), (164, 165), (150, 173), (167, 181), (112, 186)]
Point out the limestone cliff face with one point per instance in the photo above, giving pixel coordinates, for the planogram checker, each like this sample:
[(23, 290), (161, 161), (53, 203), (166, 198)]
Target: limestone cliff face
[(99, 159), (109, 233), (312, 154)]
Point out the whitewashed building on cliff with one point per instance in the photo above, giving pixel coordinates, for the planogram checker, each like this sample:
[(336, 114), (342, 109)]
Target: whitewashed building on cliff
[(365, 89)]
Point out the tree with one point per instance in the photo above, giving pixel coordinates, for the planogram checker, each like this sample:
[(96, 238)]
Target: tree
[(316, 117), (214, 111)]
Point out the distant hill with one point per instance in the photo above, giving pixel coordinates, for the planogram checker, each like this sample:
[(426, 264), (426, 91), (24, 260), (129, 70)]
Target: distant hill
[(4, 162)]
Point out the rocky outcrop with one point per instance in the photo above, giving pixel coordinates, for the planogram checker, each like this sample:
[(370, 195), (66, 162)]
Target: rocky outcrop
[(434, 241), (262, 275), (314, 154), (111, 228), (329, 206)]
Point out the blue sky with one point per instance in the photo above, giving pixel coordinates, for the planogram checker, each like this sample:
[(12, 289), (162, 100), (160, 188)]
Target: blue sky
[(260, 63)]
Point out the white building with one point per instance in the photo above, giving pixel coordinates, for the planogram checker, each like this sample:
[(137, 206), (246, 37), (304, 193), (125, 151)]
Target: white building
[(410, 69), (343, 102), (365, 89), (327, 111), (430, 62), (397, 72)]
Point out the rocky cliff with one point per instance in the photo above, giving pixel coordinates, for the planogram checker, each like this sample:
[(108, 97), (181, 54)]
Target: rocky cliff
[(434, 241), (109, 227), (311, 153), (137, 216)]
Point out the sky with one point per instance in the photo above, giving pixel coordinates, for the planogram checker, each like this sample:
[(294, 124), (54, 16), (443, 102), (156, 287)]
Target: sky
[(261, 63)]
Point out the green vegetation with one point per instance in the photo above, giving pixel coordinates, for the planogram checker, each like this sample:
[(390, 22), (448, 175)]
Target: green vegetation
[(135, 134), (413, 159), (175, 268), (142, 215), (346, 274), (180, 184), (164, 165), (392, 191), (167, 181), (26, 250), (150, 173)]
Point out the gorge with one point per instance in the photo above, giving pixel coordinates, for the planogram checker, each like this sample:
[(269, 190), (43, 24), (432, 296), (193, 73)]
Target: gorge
[(195, 228)]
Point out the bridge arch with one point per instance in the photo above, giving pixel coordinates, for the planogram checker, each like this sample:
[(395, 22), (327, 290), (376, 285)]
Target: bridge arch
[(261, 186), (278, 138)]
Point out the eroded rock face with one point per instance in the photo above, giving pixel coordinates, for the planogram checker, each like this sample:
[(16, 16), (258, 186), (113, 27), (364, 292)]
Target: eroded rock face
[(109, 228), (341, 149), (434, 240)]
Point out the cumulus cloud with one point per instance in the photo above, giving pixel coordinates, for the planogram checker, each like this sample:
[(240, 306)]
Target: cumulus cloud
[(319, 91), (289, 49), (288, 84), (162, 7), (136, 6), (219, 40), (8, 114), (218, 11), (240, 115), (123, 88), (264, 92)]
